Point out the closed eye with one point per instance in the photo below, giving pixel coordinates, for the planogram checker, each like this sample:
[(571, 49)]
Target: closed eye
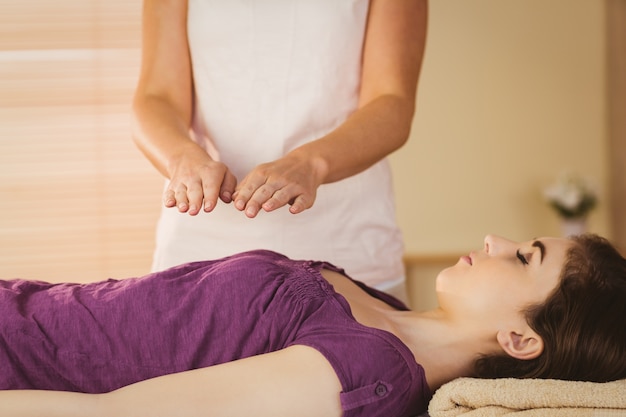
[(521, 257)]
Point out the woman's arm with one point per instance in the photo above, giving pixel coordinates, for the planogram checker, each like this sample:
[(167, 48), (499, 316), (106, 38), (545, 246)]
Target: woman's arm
[(392, 57), (162, 110), (297, 381)]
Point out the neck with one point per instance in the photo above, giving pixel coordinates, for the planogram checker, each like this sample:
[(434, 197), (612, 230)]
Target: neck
[(444, 348)]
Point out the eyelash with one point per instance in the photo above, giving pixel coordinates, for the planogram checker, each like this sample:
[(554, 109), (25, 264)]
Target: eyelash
[(521, 257)]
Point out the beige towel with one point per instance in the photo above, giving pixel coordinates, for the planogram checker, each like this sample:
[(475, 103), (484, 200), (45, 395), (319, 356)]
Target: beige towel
[(471, 397)]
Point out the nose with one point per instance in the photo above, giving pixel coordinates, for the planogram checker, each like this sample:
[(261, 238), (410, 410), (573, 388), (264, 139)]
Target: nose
[(497, 244)]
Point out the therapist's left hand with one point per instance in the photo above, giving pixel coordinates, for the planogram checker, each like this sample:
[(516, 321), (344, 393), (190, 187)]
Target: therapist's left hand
[(292, 179)]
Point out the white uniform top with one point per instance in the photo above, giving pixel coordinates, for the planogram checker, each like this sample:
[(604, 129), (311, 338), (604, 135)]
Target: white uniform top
[(269, 76)]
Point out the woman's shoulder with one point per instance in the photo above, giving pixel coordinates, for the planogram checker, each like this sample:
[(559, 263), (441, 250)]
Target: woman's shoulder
[(375, 368)]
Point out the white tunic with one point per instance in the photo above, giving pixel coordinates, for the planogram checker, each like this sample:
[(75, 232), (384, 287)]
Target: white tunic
[(270, 75)]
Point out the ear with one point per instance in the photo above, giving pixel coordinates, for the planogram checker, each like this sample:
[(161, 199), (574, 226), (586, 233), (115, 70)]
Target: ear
[(524, 346)]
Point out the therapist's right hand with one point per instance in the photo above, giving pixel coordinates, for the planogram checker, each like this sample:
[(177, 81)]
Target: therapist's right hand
[(196, 182)]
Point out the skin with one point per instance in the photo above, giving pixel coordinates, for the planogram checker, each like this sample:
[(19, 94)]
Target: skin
[(299, 381), (480, 307), (162, 108), (481, 285)]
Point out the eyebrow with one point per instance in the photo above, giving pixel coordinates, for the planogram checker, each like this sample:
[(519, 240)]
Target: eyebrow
[(542, 248)]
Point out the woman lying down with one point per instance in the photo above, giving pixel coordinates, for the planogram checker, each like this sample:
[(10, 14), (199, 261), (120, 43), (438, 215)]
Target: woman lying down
[(258, 334)]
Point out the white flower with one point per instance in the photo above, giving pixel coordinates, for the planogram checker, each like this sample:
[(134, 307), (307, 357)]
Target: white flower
[(571, 196)]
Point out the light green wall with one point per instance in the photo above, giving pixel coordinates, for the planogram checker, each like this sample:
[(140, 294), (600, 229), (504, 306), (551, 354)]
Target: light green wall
[(512, 93)]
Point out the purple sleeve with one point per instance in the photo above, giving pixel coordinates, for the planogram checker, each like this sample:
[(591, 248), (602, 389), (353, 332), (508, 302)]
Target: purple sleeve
[(377, 371)]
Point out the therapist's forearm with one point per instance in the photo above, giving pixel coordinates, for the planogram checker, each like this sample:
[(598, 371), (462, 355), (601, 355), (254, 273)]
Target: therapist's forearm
[(371, 133), (160, 132)]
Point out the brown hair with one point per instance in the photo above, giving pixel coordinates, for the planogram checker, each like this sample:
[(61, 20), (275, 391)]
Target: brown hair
[(582, 323)]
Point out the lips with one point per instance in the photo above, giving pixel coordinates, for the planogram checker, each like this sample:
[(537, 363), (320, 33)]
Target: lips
[(467, 259)]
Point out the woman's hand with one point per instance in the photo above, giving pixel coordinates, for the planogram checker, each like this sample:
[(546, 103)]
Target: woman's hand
[(197, 180), (292, 179)]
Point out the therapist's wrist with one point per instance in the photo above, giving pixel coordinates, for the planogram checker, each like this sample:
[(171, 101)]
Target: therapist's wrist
[(319, 167)]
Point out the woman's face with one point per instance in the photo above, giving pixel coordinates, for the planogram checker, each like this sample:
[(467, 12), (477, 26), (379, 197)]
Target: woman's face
[(503, 278)]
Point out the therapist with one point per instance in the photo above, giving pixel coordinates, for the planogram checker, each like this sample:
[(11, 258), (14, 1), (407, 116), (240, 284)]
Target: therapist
[(271, 122)]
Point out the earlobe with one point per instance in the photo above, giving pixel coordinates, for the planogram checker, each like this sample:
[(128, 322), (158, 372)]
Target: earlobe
[(521, 346)]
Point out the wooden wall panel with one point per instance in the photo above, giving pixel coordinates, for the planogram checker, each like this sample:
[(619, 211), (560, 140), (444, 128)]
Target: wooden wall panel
[(616, 52)]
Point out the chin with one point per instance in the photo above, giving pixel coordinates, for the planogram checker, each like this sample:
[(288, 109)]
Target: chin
[(440, 279)]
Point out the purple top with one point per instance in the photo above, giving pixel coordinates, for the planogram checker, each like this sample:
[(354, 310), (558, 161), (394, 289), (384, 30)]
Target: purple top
[(101, 336)]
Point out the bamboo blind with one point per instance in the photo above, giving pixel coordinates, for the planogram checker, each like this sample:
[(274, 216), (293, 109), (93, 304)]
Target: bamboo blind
[(77, 200)]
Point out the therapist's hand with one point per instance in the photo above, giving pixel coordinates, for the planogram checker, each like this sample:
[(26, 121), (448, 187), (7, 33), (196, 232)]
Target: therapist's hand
[(292, 179), (196, 182)]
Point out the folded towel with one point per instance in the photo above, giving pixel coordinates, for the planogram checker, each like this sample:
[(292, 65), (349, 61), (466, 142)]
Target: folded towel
[(472, 397)]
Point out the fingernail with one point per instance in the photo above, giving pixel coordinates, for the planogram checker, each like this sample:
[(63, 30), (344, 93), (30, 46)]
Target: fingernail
[(239, 204)]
